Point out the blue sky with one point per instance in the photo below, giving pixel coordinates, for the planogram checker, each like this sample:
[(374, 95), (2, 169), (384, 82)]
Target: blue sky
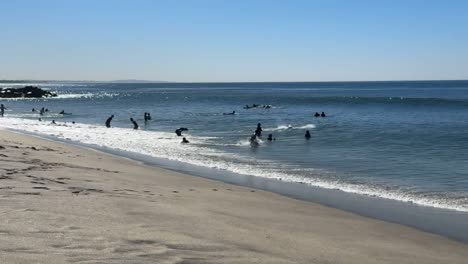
[(234, 40)]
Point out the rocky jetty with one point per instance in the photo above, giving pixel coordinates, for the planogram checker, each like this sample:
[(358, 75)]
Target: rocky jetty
[(25, 92)]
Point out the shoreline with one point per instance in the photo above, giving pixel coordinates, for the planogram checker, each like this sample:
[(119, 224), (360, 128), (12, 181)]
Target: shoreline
[(449, 223), (62, 203)]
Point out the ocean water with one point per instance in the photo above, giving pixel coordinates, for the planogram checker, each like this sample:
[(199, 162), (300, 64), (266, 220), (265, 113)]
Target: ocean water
[(406, 141)]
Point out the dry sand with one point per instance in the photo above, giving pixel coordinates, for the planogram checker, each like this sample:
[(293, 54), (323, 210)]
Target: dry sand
[(65, 204)]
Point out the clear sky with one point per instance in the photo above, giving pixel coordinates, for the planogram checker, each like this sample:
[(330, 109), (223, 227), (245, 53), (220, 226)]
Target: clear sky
[(235, 40)]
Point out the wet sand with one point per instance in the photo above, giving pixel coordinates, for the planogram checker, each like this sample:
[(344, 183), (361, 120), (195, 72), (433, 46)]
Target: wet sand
[(66, 204)]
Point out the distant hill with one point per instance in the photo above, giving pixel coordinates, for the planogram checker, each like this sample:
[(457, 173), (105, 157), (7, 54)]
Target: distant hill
[(135, 81)]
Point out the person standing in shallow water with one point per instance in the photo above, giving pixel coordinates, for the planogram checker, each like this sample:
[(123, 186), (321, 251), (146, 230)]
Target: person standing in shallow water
[(2, 110), (307, 135), (108, 121), (258, 131), (135, 124)]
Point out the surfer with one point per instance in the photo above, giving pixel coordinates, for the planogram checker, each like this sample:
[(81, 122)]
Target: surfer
[(317, 114), (258, 131), (323, 114), (233, 113), (185, 141), (108, 121), (307, 135), (135, 124)]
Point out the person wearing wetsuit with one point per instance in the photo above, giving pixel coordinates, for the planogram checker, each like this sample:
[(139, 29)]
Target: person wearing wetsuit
[(62, 112), (307, 135), (270, 137), (184, 140), (2, 110), (178, 132), (258, 131), (108, 121), (323, 114), (317, 114), (135, 124)]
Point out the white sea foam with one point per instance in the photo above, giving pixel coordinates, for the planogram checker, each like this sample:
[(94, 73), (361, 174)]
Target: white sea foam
[(167, 146), (290, 126)]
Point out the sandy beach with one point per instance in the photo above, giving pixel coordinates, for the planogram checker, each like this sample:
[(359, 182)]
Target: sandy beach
[(66, 204)]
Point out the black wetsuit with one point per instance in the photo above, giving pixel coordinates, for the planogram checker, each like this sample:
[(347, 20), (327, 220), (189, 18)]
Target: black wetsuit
[(135, 124), (108, 121)]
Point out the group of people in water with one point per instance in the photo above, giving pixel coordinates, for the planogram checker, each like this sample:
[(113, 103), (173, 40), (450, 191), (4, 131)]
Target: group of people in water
[(254, 139), (320, 115), (257, 106)]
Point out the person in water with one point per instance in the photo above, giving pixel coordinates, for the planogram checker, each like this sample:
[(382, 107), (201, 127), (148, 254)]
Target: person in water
[(53, 122), (323, 114), (34, 109), (307, 135), (253, 140), (108, 121), (185, 141), (135, 124), (2, 110), (42, 111), (258, 131), (40, 119), (62, 112), (146, 117), (317, 114), (46, 110), (179, 131), (270, 137), (233, 113)]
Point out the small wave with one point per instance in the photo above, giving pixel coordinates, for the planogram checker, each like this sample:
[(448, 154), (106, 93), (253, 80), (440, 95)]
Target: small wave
[(167, 146), (287, 127)]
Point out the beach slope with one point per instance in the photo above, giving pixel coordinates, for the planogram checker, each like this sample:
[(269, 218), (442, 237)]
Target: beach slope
[(66, 204)]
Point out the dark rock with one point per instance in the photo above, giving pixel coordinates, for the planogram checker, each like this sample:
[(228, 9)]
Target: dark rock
[(27, 92)]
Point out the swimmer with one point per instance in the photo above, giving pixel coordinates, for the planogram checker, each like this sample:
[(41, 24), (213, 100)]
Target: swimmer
[(185, 141), (40, 119), (270, 137), (108, 121), (317, 114), (135, 124), (73, 122), (307, 135), (323, 114), (34, 109)]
